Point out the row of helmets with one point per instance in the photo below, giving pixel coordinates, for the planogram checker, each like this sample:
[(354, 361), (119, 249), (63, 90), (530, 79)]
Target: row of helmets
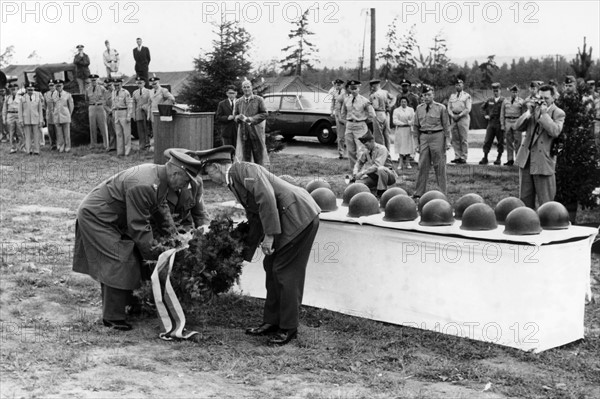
[(435, 210)]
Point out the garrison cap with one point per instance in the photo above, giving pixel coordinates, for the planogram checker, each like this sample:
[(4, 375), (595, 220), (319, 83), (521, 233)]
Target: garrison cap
[(94, 76), (405, 82), (338, 81), (180, 159), (374, 81), (514, 88), (366, 137), (223, 153), (495, 85), (570, 79)]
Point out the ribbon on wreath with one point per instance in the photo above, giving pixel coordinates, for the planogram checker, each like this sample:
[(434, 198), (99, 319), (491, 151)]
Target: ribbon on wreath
[(170, 312)]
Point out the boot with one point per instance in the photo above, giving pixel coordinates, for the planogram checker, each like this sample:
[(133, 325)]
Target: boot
[(484, 160), (498, 160)]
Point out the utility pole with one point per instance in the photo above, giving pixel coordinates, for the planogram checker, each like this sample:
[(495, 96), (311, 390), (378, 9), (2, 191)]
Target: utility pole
[(372, 73), (361, 58)]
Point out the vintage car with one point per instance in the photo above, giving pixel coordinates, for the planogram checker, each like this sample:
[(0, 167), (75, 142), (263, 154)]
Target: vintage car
[(301, 114)]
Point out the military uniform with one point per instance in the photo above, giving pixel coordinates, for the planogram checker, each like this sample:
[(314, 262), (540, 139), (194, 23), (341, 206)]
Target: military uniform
[(492, 109), (96, 99), (3, 133), (62, 108), (10, 115), (459, 105), (377, 165), (141, 108), (356, 110), (31, 117), (122, 114), (336, 99), (82, 70), (433, 129), (49, 109), (511, 110), (110, 122), (381, 129), (159, 95), (111, 61)]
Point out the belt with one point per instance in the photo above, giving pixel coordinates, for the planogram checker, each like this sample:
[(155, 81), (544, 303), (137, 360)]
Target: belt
[(355, 121), (430, 131), (380, 110), (119, 109), (404, 126), (456, 112), (511, 117), (97, 104), (13, 112)]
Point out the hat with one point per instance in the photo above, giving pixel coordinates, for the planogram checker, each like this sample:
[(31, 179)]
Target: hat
[(426, 89), (154, 79), (108, 80), (223, 153), (139, 79), (117, 80), (458, 80), (94, 76), (495, 85), (338, 81), (180, 159), (50, 82), (374, 81), (534, 83), (570, 79), (15, 85), (59, 82), (353, 83), (405, 82), (552, 82), (514, 88), (79, 46), (366, 137), (30, 86), (591, 82)]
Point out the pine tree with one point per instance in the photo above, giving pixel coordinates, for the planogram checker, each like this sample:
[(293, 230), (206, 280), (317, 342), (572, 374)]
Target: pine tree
[(302, 51), (488, 69), (582, 63)]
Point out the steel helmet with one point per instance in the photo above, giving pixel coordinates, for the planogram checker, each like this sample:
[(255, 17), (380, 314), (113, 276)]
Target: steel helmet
[(363, 204), (479, 216), (504, 207), (314, 184), (553, 216), (325, 198), (437, 212), (352, 190), (464, 202), (430, 195), (400, 208), (522, 221), (389, 193)]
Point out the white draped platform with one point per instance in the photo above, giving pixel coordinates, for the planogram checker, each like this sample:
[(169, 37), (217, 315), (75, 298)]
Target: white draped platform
[(526, 292)]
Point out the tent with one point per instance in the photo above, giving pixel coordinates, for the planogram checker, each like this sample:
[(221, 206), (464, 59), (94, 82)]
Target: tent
[(287, 84)]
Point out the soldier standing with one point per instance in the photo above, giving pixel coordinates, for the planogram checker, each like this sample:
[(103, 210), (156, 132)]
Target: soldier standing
[(512, 108), (31, 118), (459, 108), (380, 100), (10, 115), (335, 93), (82, 70), (96, 99), (357, 111), (141, 108), (3, 134), (111, 60), (62, 109), (49, 109), (492, 109), (158, 95), (110, 122), (122, 114)]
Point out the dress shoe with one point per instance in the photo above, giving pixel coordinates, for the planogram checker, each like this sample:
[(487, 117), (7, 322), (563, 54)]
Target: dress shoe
[(461, 161), (457, 160), (263, 329), (284, 336), (119, 325), (497, 162), (484, 161), (510, 163)]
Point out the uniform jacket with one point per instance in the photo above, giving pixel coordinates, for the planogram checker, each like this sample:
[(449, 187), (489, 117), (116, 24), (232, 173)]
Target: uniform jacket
[(141, 104), (82, 63), (159, 96), (228, 127), (512, 109), (492, 108), (111, 59), (370, 161), (273, 205), (11, 104), (435, 119), (113, 225), (357, 109), (49, 106), (540, 135), (31, 109), (142, 58), (460, 104), (62, 107), (188, 205), (108, 101), (122, 99), (95, 94)]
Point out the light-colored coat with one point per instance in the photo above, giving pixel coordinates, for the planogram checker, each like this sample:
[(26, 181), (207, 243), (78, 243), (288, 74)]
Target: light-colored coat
[(62, 107), (31, 109), (141, 104)]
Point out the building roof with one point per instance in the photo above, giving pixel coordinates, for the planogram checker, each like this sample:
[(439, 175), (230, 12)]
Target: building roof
[(176, 79), (288, 84)]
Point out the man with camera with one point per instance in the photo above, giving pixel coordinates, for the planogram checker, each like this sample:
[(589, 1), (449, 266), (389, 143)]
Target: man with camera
[(543, 122)]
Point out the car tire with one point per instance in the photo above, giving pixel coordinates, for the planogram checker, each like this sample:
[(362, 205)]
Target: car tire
[(325, 133)]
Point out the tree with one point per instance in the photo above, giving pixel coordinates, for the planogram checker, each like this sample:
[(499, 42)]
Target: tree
[(405, 59), (6, 56), (226, 64), (436, 69), (388, 53), (582, 63), (488, 69), (302, 51)]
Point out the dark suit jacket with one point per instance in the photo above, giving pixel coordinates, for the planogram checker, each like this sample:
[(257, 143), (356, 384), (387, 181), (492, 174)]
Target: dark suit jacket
[(228, 127), (280, 208), (142, 58), (550, 126)]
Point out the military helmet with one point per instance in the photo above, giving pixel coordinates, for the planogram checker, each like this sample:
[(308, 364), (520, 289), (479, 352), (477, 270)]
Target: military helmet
[(479, 216), (389, 193), (430, 195), (522, 221), (314, 184), (437, 212), (352, 190), (363, 204), (504, 207), (464, 202), (400, 208), (325, 198), (553, 216)]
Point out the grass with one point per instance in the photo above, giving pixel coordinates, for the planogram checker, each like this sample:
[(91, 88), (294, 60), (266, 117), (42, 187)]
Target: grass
[(337, 356)]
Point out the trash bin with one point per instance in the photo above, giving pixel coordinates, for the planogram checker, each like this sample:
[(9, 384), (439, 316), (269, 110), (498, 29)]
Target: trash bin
[(191, 130)]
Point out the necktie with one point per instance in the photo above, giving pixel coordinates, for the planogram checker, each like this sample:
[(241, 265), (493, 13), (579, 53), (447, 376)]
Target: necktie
[(94, 89), (140, 92), (513, 101), (59, 95), (231, 104), (13, 97), (427, 109), (353, 98), (30, 98)]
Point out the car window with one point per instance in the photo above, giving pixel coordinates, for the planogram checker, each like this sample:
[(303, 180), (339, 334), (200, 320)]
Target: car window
[(290, 103), (315, 102), (272, 103)]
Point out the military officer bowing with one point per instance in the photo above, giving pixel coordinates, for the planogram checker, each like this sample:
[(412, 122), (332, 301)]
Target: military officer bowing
[(287, 219), (113, 233)]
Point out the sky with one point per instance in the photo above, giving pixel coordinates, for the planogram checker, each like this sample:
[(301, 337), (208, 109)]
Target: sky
[(176, 32)]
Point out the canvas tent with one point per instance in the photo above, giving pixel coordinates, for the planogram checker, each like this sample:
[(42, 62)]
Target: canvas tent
[(287, 84)]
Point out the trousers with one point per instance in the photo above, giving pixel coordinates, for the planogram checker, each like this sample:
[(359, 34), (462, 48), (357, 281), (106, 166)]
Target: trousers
[(432, 150), (460, 137)]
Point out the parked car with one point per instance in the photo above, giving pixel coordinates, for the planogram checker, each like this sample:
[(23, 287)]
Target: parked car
[(301, 114)]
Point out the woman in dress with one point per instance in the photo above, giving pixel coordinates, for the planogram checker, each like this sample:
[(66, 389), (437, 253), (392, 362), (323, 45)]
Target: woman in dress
[(403, 120)]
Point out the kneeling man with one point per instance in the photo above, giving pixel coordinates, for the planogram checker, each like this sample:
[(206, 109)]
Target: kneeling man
[(374, 166)]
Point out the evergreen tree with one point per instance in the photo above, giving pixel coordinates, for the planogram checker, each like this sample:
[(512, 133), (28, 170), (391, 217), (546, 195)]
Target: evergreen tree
[(302, 52), (488, 69), (582, 63)]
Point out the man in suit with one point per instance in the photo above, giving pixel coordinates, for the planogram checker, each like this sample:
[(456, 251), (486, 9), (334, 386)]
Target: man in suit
[(113, 234), (141, 108), (62, 108), (225, 116), (31, 118), (287, 219), (82, 70), (141, 55), (96, 98), (543, 123), (250, 113)]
